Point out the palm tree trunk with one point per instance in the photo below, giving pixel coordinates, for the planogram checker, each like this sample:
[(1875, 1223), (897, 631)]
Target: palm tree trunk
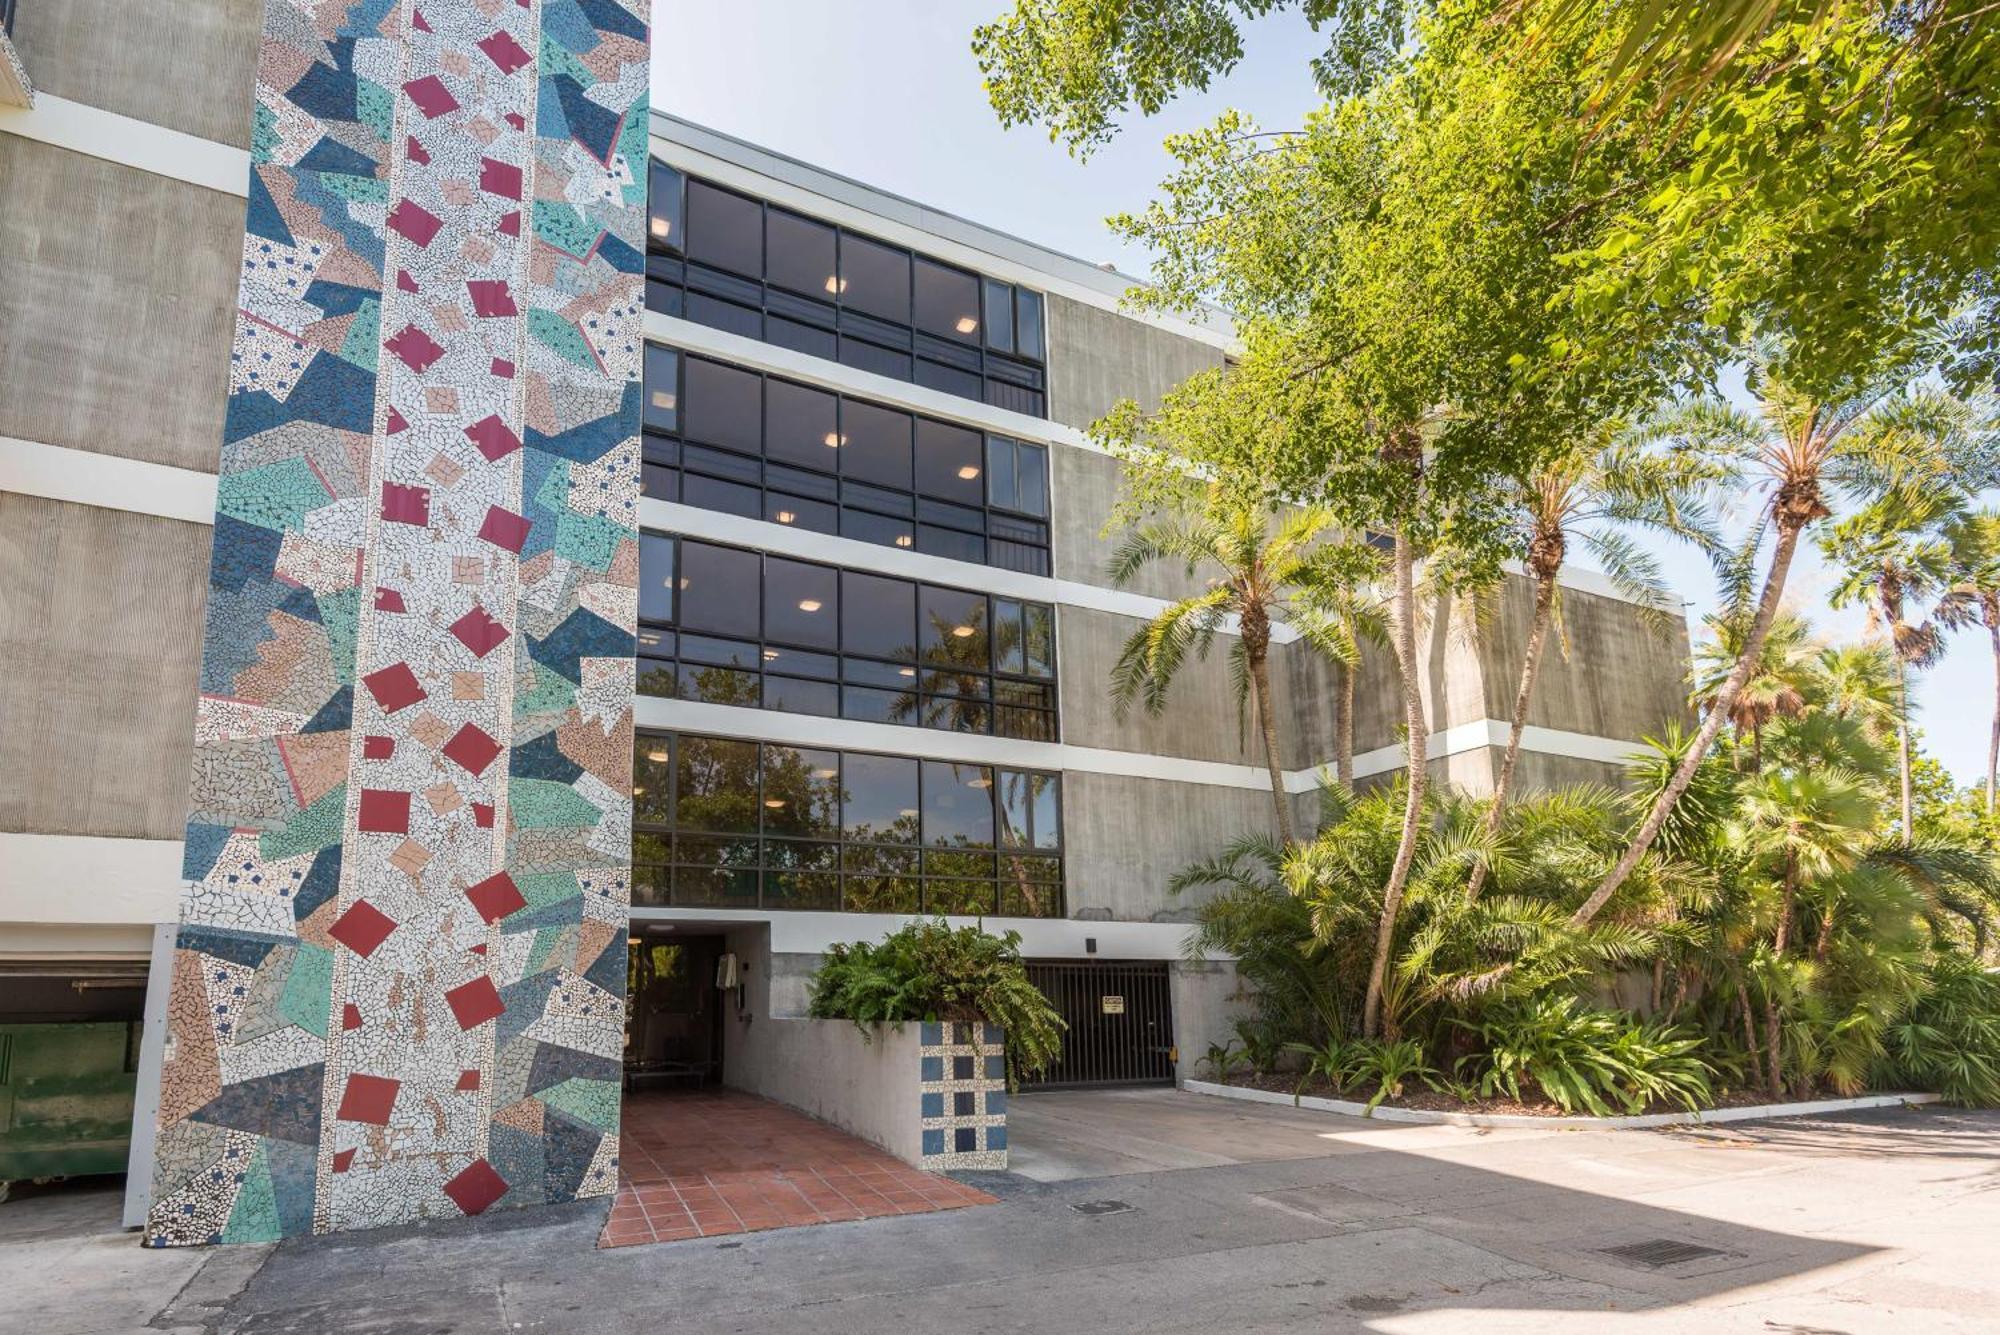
[(1531, 662), (1993, 740), (1773, 1047), (1343, 725), (1257, 650), (1903, 747), (1718, 713), (1413, 770)]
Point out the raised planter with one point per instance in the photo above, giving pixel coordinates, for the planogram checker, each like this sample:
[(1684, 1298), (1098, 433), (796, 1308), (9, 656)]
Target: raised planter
[(1427, 1117)]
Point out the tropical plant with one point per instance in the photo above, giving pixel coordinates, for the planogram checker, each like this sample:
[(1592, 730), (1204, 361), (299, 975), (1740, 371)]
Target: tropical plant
[(929, 970), (1342, 622), (1332, 1060), (1389, 1065), (1975, 559), (1777, 686), (1258, 562), (1603, 1062), (1949, 1040), (1263, 1046), (1221, 1059)]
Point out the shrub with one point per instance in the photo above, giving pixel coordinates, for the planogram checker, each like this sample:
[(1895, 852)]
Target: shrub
[(1949, 1041), (928, 970), (1588, 1059), (1389, 1064)]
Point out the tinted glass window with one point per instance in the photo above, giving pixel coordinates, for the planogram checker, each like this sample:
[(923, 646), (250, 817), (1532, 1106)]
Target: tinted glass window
[(958, 805), (947, 302), (716, 781), (951, 625), (1039, 637), (801, 603), (653, 782), (719, 590), (663, 387), (1028, 323), (800, 254), (999, 316), (1016, 801), (725, 230), (656, 577), (663, 203), (723, 405), (879, 799), (1047, 810), (801, 425), (874, 278), (1031, 465), (1007, 646), (801, 791), (1001, 490), (875, 445), (877, 616), (949, 462)]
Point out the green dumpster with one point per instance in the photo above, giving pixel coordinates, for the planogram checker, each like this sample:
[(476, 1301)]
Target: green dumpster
[(66, 1098)]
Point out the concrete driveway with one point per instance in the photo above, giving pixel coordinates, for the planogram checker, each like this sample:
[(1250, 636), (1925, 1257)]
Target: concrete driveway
[(1159, 1211)]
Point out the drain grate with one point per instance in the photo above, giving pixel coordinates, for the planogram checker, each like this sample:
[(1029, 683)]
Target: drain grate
[(1659, 1253), (1100, 1207)]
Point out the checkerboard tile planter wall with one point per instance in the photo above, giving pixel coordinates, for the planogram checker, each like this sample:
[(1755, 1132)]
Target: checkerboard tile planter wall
[(963, 1078)]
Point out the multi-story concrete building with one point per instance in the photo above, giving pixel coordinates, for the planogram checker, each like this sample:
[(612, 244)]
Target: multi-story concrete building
[(873, 624)]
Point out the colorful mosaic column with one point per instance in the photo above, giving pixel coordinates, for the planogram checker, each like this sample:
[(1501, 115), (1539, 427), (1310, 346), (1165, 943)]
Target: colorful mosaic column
[(398, 992)]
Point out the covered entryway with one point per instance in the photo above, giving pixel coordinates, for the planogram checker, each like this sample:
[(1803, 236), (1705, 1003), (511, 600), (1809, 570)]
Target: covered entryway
[(1120, 1015)]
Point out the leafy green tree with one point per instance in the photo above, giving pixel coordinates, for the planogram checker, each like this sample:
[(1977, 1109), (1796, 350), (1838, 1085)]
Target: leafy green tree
[(1257, 563), (1779, 682), (1975, 560)]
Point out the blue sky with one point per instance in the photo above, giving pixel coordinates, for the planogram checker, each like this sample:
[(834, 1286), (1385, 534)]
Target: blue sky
[(886, 91)]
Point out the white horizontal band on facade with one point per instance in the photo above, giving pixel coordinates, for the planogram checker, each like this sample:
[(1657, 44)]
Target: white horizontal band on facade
[(130, 142), (809, 932), (88, 880), (830, 197), (1484, 733), (108, 481)]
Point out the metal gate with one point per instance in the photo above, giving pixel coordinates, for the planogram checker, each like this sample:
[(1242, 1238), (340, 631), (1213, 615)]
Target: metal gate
[(1121, 1021)]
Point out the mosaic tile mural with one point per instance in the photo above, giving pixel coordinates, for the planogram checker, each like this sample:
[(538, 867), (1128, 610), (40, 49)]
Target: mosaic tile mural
[(963, 1078), (398, 989)]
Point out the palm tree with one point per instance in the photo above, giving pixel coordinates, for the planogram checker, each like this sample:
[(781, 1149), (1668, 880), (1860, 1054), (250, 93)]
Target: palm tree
[(1896, 560), (1778, 685), (1592, 494), (1975, 559), (1264, 564), (1339, 622), (1794, 448), (1858, 682)]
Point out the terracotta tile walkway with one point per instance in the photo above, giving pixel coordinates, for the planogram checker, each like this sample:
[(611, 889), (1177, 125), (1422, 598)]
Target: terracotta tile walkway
[(698, 1163)]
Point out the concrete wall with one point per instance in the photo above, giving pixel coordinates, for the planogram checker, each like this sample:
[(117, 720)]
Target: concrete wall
[(185, 64), (1625, 675), (117, 299), (1199, 721), (1097, 357), (1208, 1000), (1125, 838), (100, 638), (863, 1083)]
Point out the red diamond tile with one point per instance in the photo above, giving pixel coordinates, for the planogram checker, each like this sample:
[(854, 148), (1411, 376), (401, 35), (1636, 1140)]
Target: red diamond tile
[(479, 632), (341, 1160), (482, 815), (515, 118), (496, 897), (414, 348), (473, 748), (476, 1188), (389, 600), (510, 224), (368, 1098), (503, 368), (415, 152), (394, 687), (350, 1014), (431, 96), (468, 1082), (475, 1003), (404, 282), (406, 505), (504, 528), (378, 748), (418, 21), (383, 811), (500, 178), (362, 928), (394, 423), (505, 53), (413, 220), (493, 437), (491, 298)]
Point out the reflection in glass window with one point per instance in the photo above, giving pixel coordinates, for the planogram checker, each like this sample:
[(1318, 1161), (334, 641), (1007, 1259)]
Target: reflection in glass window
[(947, 301), (1028, 323), (878, 616), (801, 425), (875, 444), (949, 463), (725, 230), (999, 316), (801, 603), (958, 805), (656, 577), (801, 791), (874, 278), (663, 387), (663, 202), (719, 589), (800, 254), (1047, 811), (653, 782), (716, 785), (1039, 639), (879, 803), (951, 628)]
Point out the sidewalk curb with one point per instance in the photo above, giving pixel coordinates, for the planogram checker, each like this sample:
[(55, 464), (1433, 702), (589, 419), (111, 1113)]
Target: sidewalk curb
[(1425, 1117)]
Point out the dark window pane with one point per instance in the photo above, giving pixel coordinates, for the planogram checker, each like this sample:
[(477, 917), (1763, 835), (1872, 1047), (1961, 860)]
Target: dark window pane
[(1028, 323), (950, 543), (716, 782), (796, 512), (999, 316), (728, 497), (1031, 463), (878, 616), (661, 483), (656, 577), (879, 799), (1015, 802), (947, 301), (949, 462), (1000, 481), (801, 791), (1047, 810), (872, 706), (955, 714), (865, 356), (727, 316), (876, 529), (725, 230), (799, 254), (724, 406), (795, 696), (719, 588), (801, 425), (1040, 638), (958, 805), (801, 603), (1007, 646), (874, 278), (875, 444), (1022, 895), (951, 628), (947, 379), (709, 651), (656, 676), (663, 387), (803, 663), (663, 204), (652, 781), (800, 337)]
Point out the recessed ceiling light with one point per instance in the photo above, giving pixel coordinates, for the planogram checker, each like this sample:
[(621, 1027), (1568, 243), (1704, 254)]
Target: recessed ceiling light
[(663, 398), (907, 812), (638, 790), (649, 640), (833, 440), (969, 472), (661, 227), (808, 604), (966, 324), (770, 655), (906, 672), (962, 632), (835, 284), (684, 581), (826, 773), (774, 802), (658, 755), (981, 782), (902, 539), (786, 516)]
